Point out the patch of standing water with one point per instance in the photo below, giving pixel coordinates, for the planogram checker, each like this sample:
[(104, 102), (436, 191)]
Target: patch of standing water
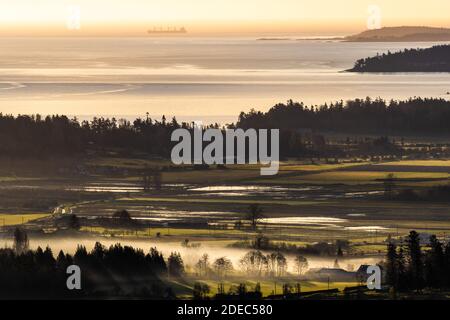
[(367, 228), (107, 189), (251, 188), (155, 219), (327, 222), (320, 221), (173, 215), (116, 188), (362, 194)]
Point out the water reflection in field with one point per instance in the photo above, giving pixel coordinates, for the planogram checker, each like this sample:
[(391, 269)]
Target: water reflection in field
[(320, 221)]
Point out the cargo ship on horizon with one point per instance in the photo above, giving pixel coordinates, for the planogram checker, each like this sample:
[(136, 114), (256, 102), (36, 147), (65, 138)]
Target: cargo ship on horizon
[(168, 30)]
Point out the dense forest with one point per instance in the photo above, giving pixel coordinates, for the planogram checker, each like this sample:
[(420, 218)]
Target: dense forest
[(115, 271), (59, 135), (434, 59), (365, 116), (35, 136), (408, 267)]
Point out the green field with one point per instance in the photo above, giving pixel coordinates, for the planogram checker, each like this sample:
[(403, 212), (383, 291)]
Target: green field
[(425, 163), (268, 287), (17, 219)]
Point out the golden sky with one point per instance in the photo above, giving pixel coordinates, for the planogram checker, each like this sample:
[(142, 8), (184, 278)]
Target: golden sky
[(133, 17)]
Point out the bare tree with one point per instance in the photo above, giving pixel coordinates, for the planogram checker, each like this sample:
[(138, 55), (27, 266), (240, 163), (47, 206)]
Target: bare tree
[(254, 215), (254, 263), (203, 265), (301, 264), (222, 266), (281, 265), (276, 264)]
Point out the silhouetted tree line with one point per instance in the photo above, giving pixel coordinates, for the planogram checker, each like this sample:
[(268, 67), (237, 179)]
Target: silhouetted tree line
[(114, 271), (434, 59), (409, 268), (59, 135), (365, 116), (201, 291), (238, 292), (320, 248)]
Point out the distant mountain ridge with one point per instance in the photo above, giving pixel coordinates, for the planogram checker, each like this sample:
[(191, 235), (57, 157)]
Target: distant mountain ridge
[(401, 34)]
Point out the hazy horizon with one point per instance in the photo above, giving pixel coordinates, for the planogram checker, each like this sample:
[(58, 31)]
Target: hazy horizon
[(212, 17), (210, 79), (213, 72)]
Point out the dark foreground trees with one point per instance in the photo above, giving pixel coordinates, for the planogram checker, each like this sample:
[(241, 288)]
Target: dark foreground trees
[(410, 268), (105, 272), (359, 116), (21, 242)]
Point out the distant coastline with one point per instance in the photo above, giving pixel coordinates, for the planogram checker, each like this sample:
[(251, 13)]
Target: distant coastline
[(402, 34), (302, 39), (387, 34)]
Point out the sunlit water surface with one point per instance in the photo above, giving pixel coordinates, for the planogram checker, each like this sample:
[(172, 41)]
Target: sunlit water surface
[(209, 79)]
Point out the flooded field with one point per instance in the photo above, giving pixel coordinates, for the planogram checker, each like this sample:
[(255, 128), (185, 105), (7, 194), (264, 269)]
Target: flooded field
[(194, 218)]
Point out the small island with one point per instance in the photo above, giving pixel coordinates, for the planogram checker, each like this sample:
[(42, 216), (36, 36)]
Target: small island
[(434, 59), (401, 34)]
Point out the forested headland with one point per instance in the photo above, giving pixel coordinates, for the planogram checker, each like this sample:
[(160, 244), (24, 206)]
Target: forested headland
[(434, 59)]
